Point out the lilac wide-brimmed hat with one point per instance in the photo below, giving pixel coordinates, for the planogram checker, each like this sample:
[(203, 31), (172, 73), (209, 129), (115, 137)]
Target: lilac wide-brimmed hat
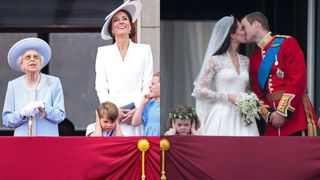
[(133, 7), (19, 48)]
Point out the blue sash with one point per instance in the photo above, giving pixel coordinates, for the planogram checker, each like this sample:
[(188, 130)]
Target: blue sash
[(268, 61)]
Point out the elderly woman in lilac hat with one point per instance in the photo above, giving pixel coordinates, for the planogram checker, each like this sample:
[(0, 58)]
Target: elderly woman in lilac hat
[(34, 102)]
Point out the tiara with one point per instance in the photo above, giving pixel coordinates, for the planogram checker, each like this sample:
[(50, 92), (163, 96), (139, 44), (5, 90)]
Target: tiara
[(188, 115)]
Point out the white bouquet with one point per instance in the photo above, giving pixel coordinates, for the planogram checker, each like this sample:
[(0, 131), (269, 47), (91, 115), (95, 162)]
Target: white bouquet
[(247, 106)]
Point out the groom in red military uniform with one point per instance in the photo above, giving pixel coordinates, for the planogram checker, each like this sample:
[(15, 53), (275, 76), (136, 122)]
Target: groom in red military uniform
[(278, 77)]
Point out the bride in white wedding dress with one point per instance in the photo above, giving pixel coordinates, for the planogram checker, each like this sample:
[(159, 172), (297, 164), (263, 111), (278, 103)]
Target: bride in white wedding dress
[(223, 76)]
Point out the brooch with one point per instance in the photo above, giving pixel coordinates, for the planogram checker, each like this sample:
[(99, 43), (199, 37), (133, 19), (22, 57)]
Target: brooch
[(280, 73)]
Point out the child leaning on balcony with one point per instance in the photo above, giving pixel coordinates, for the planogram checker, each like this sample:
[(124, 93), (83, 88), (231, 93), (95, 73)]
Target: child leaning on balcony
[(106, 121), (183, 120)]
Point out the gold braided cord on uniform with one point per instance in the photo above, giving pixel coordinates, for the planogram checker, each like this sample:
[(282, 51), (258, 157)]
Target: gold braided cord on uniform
[(143, 146), (164, 146)]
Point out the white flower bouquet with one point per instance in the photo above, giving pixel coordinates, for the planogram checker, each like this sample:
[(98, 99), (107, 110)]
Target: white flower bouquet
[(247, 106)]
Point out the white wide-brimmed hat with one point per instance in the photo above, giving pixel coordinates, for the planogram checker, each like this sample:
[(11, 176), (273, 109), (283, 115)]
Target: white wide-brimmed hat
[(133, 7), (19, 48)]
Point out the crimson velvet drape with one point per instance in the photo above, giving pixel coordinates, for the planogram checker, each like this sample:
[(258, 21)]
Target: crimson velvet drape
[(77, 158), (243, 158)]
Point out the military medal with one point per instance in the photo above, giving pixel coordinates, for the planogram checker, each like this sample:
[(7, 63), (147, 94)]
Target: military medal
[(280, 73), (276, 63)]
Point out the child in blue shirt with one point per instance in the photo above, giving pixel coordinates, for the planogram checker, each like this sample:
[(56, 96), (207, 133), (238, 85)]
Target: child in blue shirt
[(148, 112)]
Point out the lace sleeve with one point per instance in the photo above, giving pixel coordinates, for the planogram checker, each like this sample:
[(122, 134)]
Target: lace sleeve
[(202, 86)]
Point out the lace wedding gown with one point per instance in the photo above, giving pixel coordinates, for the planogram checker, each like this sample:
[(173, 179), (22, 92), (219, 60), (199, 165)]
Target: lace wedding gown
[(218, 116)]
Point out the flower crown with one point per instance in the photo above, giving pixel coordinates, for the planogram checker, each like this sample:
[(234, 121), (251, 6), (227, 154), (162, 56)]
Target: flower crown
[(187, 115)]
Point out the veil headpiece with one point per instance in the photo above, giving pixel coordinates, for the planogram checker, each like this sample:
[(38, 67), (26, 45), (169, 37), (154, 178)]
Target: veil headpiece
[(218, 36)]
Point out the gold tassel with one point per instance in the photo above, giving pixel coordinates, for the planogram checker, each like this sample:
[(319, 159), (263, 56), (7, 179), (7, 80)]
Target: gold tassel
[(143, 146), (164, 146), (312, 129), (315, 129)]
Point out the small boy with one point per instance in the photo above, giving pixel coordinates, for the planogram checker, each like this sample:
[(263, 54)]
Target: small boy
[(106, 121)]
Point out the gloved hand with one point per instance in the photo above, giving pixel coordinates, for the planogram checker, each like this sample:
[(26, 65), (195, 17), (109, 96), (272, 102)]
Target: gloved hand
[(36, 104), (33, 112), (32, 109), (25, 111)]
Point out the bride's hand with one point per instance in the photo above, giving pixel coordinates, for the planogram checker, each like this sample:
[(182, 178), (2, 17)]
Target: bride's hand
[(232, 98)]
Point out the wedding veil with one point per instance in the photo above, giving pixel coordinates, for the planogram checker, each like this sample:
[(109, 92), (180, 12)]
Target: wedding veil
[(218, 36)]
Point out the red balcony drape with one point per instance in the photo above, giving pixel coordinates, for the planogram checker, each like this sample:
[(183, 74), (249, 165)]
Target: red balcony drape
[(247, 158), (77, 158)]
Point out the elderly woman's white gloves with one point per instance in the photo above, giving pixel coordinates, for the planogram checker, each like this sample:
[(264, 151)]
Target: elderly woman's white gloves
[(31, 109)]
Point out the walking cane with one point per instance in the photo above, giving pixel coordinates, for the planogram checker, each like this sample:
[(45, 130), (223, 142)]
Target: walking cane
[(30, 122)]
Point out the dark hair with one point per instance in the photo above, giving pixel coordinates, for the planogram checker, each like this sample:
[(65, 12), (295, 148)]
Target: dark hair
[(259, 17), (183, 112), (66, 128), (108, 110), (224, 47), (132, 32)]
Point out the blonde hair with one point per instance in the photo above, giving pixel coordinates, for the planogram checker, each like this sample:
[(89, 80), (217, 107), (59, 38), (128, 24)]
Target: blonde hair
[(108, 110), (157, 74)]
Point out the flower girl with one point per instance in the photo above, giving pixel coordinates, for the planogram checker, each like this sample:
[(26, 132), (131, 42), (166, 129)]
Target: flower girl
[(183, 120)]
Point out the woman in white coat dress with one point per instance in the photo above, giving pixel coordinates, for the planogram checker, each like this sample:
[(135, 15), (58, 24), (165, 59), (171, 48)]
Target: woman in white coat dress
[(124, 69)]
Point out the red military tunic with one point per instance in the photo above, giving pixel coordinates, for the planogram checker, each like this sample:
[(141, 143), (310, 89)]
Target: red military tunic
[(285, 86)]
